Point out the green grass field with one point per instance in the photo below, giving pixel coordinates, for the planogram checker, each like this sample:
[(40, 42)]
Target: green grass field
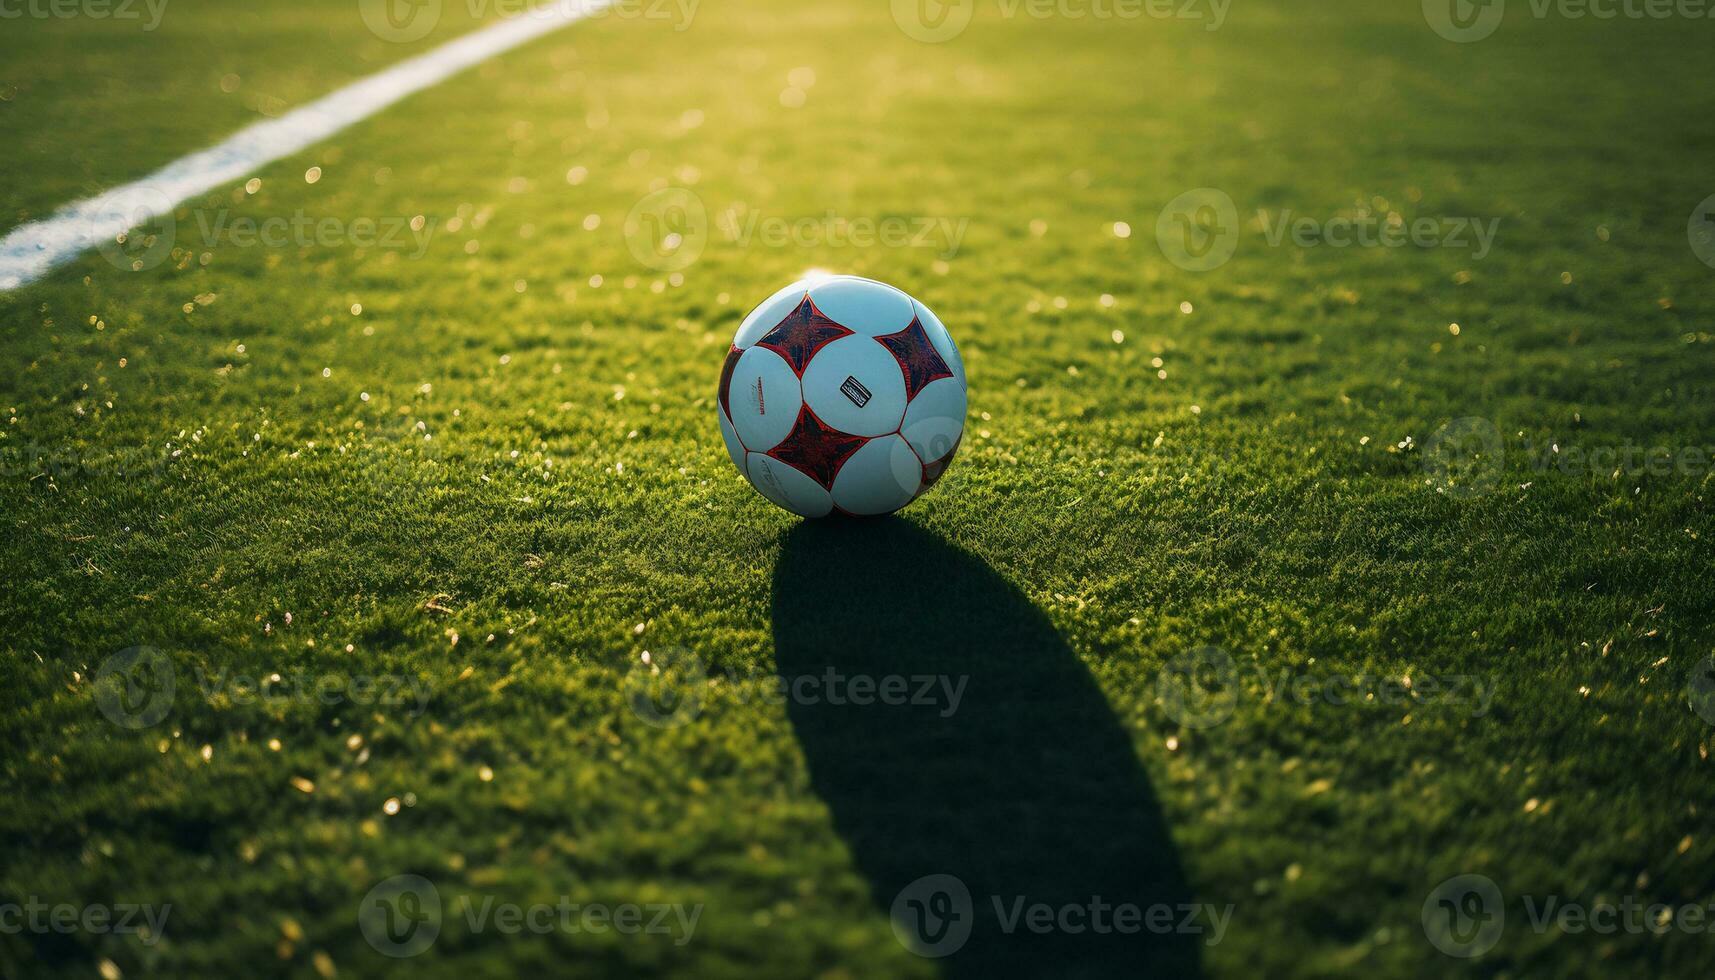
[(451, 483)]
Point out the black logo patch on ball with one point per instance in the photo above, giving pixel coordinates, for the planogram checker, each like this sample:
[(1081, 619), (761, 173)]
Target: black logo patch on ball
[(854, 389)]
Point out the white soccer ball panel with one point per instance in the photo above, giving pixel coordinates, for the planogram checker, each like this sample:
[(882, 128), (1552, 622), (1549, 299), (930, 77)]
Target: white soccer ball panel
[(880, 478), (942, 340), (935, 419), (768, 314), (764, 398), (862, 306), (734, 447), (854, 385), (787, 487)]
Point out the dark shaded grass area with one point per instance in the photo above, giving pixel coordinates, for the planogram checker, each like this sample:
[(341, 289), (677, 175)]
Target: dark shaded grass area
[(1025, 788)]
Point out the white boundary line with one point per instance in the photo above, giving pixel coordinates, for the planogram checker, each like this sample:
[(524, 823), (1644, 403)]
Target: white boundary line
[(31, 250)]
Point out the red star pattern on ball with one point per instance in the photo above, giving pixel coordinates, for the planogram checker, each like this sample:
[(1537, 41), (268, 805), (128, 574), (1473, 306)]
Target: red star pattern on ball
[(732, 357), (932, 470), (917, 357), (815, 450), (801, 334)]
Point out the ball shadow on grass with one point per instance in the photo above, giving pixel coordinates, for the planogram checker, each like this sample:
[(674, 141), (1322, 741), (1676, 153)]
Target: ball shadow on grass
[(1008, 771)]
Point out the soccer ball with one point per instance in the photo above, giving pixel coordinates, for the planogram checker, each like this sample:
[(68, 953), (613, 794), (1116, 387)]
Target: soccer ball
[(842, 394)]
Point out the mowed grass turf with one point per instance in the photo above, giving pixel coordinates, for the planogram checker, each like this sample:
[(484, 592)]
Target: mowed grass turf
[(483, 463), (160, 78)]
